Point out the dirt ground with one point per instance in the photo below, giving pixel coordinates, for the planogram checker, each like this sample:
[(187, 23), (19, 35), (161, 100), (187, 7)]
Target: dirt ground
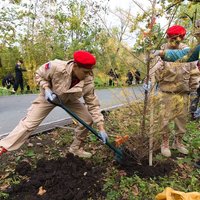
[(71, 178), (145, 171), (64, 178), (44, 170)]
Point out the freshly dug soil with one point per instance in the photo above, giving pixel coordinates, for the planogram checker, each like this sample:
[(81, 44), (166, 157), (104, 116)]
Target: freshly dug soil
[(72, 178), (145, 171), (67, 178), (131, 166)]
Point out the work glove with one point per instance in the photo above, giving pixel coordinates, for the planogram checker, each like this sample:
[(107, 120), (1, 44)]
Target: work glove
[(103, 136), (155, 52), (194, 100), (48, 93), (146, 86)]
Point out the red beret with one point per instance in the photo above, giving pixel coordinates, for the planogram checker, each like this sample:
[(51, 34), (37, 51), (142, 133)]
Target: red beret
[(84, 59), (176, 30)]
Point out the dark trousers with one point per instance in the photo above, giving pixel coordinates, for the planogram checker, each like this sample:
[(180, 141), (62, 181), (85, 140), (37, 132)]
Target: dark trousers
[(137, 80), (19, 82)]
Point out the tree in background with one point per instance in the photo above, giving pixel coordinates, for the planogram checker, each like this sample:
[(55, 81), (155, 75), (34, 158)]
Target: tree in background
[(44, 30)]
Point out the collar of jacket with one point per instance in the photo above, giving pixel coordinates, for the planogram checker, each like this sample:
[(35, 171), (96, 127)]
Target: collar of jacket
[(79, 86)]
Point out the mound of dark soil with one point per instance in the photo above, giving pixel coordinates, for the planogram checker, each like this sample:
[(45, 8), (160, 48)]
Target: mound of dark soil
[(67, 178), (129, 163)]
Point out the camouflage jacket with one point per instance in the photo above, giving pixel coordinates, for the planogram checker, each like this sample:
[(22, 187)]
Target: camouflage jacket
[(175, 77)]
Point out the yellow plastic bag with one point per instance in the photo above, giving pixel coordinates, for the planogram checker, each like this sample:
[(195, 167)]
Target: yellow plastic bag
[(170, 194)]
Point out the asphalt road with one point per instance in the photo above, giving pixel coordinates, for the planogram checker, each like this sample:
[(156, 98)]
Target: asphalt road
[(13, 108)]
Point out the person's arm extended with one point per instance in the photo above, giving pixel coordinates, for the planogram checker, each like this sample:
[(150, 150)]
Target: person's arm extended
[(23, 69), (185, 55), (174, 55)]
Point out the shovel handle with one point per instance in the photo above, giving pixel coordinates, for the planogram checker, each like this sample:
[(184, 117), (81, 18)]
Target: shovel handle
[(57, 101)]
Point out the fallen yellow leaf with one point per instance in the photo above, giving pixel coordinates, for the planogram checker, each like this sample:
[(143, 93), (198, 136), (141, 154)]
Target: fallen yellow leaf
[(41, 191), (135, 190)]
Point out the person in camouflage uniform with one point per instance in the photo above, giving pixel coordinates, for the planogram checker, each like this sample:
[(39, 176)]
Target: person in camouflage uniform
[(176, 81)]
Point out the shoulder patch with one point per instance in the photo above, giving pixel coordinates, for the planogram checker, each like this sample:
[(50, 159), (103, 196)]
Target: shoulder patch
[(47, 65)]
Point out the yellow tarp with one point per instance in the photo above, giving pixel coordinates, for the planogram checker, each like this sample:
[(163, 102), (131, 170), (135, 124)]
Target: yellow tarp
[(170, 194)]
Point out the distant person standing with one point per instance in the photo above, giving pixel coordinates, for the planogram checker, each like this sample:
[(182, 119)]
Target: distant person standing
[(113, 77), (19, 76), (116, 77), (129, 78), (137, 76)]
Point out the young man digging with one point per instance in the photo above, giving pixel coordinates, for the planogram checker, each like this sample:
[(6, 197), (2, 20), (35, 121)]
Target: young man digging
[(70, 80)]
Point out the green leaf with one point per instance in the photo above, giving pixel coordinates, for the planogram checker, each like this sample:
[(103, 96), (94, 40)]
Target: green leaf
[(30, 153)]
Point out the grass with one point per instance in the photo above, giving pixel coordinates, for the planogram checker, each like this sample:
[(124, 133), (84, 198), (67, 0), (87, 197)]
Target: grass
[(4, 91)]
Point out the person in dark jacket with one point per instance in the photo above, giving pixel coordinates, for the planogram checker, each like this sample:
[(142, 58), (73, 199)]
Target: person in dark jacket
[(19, 76), (113, 77), (129, 78), (137, 76), (8, 81)]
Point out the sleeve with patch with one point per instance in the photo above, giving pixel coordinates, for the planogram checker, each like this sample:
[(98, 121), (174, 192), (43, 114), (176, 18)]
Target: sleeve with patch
[(47, 65), (44, 74)]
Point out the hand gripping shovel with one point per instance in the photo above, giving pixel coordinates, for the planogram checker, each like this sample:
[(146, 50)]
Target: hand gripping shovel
[(57, 101)]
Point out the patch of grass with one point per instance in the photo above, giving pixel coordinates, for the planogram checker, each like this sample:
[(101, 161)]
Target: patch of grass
[(3, 195), (193, 129), (4, 91), (65, 138), (119, 186)]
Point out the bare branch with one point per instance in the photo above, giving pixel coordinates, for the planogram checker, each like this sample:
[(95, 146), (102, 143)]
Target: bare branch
[(138, 5)]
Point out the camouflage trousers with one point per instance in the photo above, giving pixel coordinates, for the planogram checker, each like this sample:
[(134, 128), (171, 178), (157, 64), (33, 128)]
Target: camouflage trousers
[(174, 107)]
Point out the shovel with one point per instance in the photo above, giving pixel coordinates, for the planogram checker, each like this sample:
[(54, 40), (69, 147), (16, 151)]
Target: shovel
[(57, 101)]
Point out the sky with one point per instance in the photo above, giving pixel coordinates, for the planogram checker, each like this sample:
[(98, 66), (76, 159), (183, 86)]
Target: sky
[(127, 5)]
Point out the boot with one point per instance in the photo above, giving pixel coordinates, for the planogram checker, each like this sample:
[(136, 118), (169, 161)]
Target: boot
[(77, 150), (80, 152), (165, 151), (2, 150), (177, 144)]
